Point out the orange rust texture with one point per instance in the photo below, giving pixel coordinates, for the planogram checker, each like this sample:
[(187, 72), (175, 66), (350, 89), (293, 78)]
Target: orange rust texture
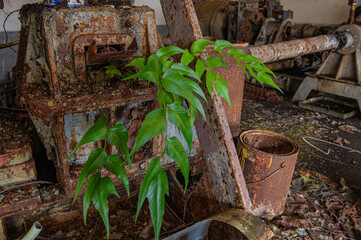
[(225, 184), (268, 170), (64, 87)]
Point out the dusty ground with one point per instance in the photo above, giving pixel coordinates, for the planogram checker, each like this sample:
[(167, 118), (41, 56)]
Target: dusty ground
[(324, 197), (295, 122)]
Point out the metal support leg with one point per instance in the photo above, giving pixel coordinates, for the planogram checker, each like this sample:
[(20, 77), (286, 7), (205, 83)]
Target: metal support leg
[(305, 88), (341, 88), (225, 179)]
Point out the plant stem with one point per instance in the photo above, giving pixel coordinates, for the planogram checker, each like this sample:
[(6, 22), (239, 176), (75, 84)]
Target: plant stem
[(162, 147), (100, 100)]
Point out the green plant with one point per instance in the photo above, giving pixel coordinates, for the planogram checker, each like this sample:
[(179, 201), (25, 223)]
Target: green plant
[(178, 86)]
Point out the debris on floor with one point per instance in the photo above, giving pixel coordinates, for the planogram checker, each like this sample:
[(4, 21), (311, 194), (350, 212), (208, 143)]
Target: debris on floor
[(318, 208), (322, 203)]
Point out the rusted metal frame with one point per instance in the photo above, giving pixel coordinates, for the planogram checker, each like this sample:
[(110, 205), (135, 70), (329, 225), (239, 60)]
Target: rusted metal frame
[(291, 49), (50, 51), (235, 77), (83, 58), (225, 174), (44, 107)]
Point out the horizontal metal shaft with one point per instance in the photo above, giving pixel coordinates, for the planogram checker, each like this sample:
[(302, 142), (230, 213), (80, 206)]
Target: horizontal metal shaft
[(291, 49)]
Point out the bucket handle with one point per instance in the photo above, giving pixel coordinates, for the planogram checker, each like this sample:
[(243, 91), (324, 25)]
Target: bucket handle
[(283, 165)]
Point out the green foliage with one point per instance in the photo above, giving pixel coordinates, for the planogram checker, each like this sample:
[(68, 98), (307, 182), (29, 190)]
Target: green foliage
[(118, 136), (176, 151), (95, 160), (112, 71), (154, 169), (154, 124), (180, 97), (115, 165), (97, 192), (96, 133), (156, 192), (178, 115)]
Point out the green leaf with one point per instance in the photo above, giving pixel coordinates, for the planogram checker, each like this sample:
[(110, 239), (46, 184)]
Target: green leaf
[(95, 160), (220, 44), (198, 105), (176, 152), (168, 64), (150, 72), (166, 52), (210, 75), (220, 86), (267, 79), (156, 198), (236, 52), (112, 71), (154, 124), (240, 65), (185, 70), (199, 45), (176, 83), (97, 191), (183, 82), (177, 99), (165, 98), (192, 114), (251, 59), (137, 62), (250, 70), (154, 168), (200, 67), (262, 68), (118, 136), (115, 165), (187, 57), (97, 132), (215, 61), (178, 116)]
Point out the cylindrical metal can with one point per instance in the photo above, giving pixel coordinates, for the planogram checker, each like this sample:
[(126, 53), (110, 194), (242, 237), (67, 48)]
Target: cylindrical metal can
[(77, 3), (268, 160), (50, 3)]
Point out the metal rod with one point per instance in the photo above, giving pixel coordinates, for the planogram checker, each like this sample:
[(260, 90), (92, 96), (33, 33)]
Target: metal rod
[(9, 44), (291, 49)]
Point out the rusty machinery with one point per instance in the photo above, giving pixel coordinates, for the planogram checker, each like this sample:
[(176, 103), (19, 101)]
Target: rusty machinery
[(259, 22), (223, 183), (58, 47)]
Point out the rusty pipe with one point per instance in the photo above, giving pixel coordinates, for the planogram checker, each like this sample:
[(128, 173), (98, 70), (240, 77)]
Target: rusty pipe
[(291, 49)]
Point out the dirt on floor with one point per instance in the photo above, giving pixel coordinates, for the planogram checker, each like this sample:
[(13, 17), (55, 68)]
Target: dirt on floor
[(324, 198)]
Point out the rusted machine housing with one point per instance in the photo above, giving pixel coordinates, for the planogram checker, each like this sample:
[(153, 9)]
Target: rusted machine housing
[(59, 48), (238, 20)]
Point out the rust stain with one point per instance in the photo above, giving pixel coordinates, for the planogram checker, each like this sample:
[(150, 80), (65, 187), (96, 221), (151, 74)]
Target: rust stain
[(267, 191)]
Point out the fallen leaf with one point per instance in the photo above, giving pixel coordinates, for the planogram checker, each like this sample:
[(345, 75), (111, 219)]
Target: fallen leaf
[(339, 140), (349, 129)]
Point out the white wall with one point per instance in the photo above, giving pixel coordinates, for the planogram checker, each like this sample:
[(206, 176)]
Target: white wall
[(12, 24), (318, 11), (305, 11), (155, 4)]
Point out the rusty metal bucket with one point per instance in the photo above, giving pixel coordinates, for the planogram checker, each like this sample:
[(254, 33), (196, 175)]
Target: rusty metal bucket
[(268, 160)]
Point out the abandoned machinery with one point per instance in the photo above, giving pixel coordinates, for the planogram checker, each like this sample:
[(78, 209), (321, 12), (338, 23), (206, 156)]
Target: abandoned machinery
[(61, 47)]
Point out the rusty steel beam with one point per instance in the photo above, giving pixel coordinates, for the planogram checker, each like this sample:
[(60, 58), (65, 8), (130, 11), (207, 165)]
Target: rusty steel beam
[(225, 182), (291, 49)]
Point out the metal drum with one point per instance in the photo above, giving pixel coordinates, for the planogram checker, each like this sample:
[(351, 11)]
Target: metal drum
[(268, 160)]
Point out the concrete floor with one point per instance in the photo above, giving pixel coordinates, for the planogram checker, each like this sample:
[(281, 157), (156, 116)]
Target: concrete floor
[(295, 122)]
